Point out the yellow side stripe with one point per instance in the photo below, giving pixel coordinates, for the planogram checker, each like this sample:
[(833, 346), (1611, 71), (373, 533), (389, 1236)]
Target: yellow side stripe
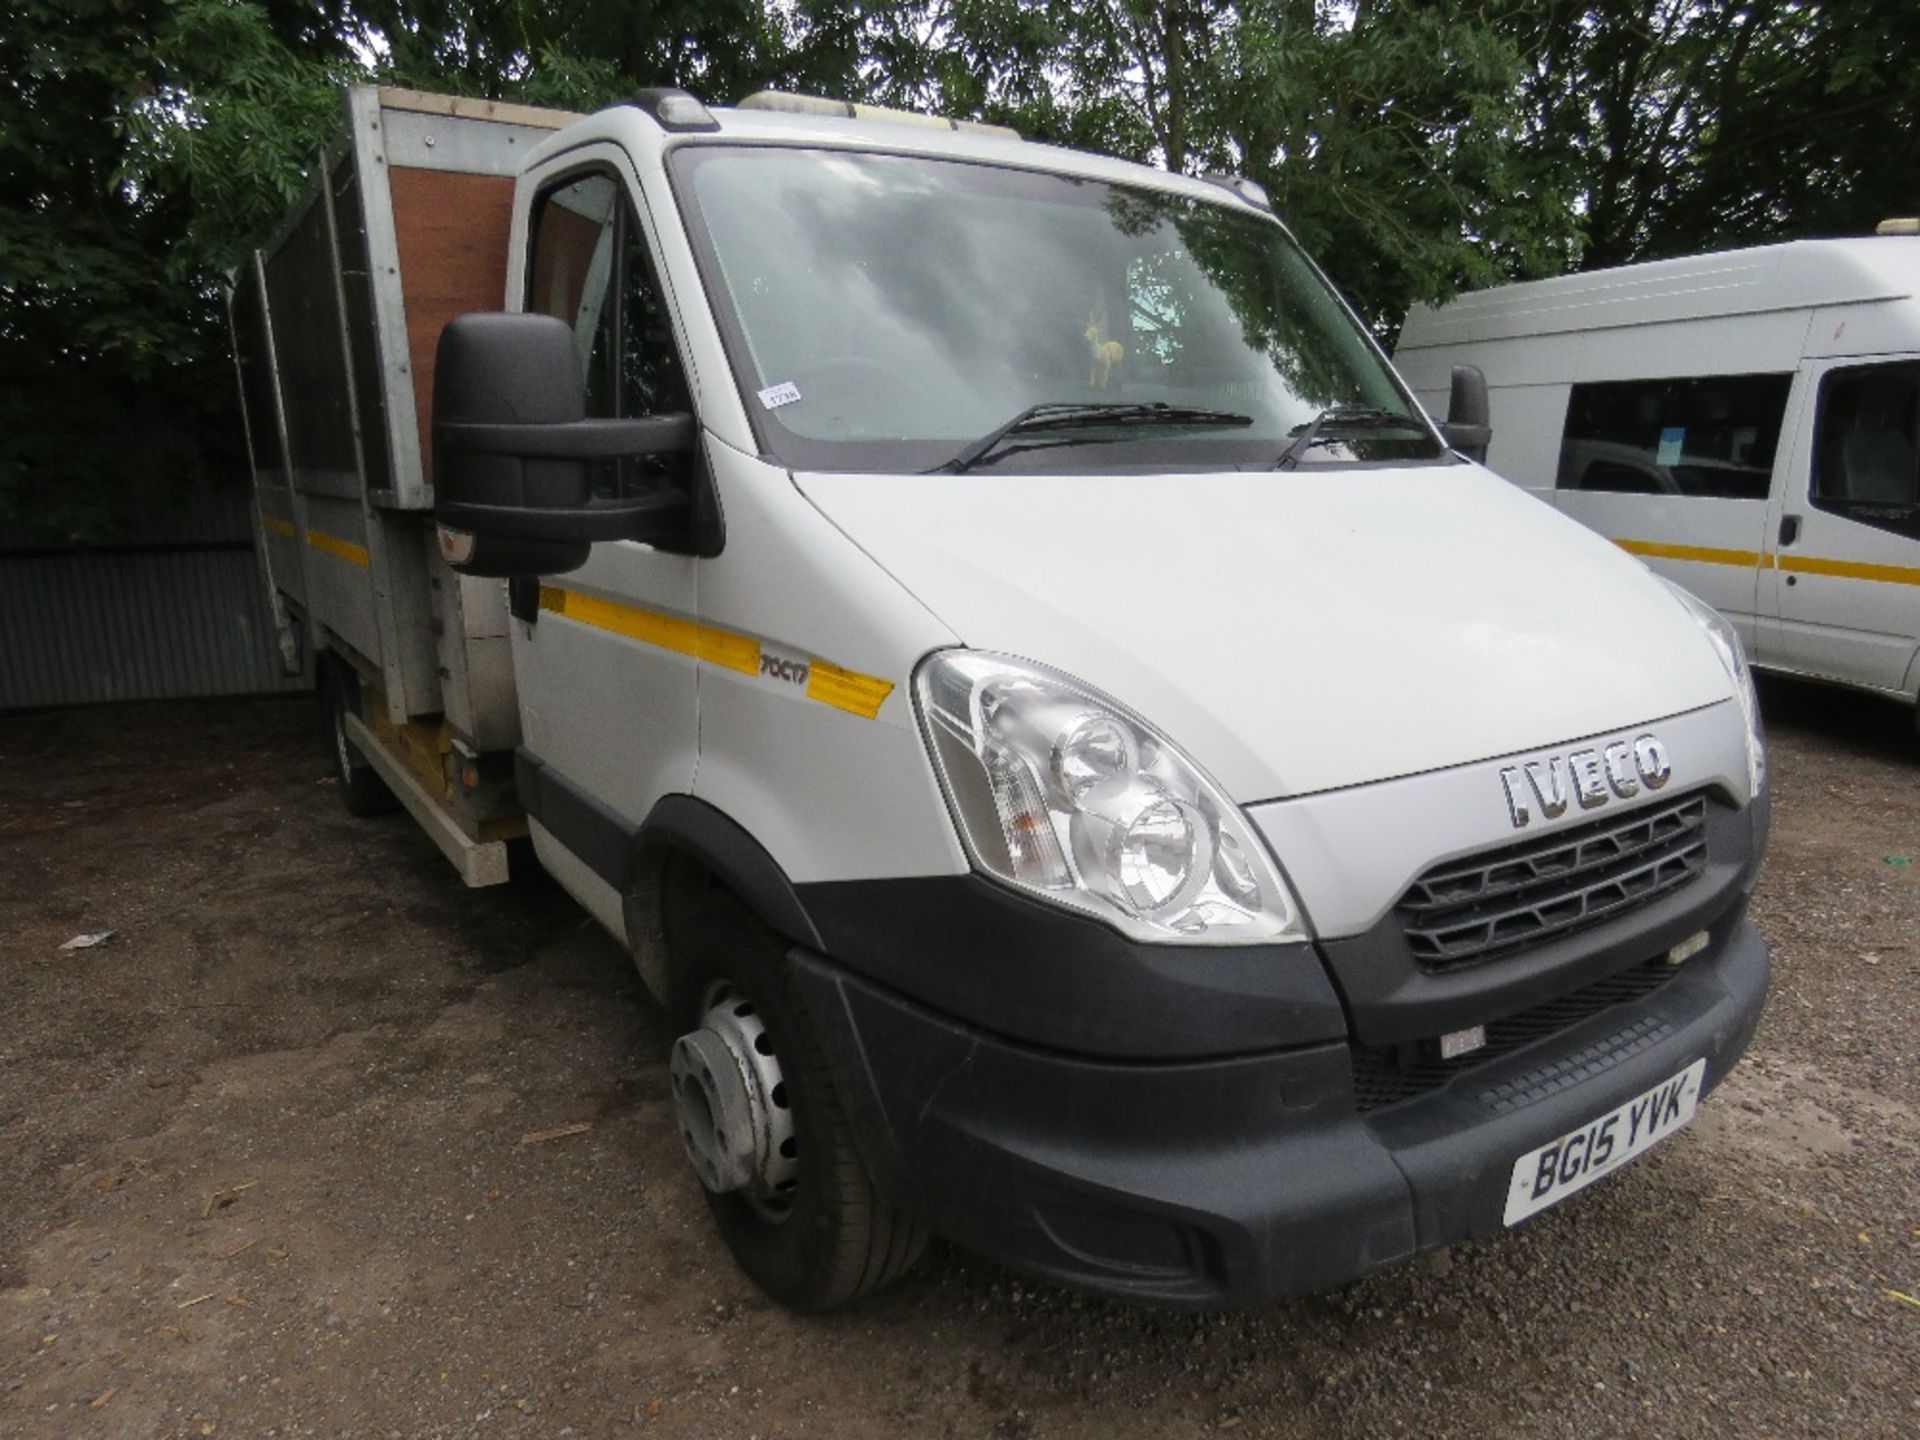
[(668, 632), (847, 689), (1705, 554), (1749, 559), (1852, 569), (344, 549), (843, 689)]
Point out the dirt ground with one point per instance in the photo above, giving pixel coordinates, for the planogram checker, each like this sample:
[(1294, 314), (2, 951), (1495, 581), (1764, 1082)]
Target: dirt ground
[(264, 1170)]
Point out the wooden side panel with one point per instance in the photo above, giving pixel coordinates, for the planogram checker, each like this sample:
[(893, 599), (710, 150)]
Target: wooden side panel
[(563, 255), (452, 231)]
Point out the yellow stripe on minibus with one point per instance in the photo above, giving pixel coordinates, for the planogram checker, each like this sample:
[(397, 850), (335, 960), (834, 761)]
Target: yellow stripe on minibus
[(1801, 564), (827, 683), (282, 528), (1705, 554), (1851, 569), (345, 549)]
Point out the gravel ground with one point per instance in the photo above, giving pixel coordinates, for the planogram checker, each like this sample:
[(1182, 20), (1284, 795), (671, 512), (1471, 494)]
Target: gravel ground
[(265, 1170)]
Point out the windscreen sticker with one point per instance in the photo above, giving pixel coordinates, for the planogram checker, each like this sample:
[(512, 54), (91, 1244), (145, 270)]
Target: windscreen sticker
[(774, 396), (1672, 440)]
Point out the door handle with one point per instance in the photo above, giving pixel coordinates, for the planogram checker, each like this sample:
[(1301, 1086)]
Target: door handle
[(1789, 529)]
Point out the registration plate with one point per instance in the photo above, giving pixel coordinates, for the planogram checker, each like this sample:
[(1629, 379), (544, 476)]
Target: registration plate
[(1548, 1175)]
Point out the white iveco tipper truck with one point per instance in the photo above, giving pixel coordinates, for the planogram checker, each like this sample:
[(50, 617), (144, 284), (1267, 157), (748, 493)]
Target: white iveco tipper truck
[(1092, 770)]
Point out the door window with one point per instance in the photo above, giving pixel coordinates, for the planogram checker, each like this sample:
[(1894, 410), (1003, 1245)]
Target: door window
[(590, 266), (1866, 446), (1709, 436)]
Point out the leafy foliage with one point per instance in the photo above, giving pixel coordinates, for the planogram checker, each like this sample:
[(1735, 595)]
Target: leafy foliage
[(1415, 146), (1689, 125)]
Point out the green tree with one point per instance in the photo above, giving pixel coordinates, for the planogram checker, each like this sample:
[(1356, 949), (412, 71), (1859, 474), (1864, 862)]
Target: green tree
[(1415, 146), (147, 145), (1387, 131), (1681, 126)]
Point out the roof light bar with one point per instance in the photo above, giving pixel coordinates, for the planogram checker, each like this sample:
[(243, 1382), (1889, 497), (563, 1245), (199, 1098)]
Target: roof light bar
[(673, 109), (1251, 191), (789, 103)]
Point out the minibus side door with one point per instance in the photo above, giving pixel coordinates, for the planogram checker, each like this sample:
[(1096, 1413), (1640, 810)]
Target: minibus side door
[(1843, 583)]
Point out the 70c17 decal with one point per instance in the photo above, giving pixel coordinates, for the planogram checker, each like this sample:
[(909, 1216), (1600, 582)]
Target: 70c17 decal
[(784, 668)]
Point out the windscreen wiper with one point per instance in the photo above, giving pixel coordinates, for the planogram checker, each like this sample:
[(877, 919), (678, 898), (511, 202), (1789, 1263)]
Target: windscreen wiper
[(1084, 415), (1370, 417)]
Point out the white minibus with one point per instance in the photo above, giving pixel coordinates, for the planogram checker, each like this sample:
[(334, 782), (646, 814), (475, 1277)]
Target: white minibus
[(1747, 422)]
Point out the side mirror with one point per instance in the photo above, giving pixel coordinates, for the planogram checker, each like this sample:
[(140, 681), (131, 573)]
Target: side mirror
[(511, 446), (1469, 423)]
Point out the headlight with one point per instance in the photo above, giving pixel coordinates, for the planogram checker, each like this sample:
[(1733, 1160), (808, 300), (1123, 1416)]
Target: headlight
[(1726, 641), (1070, 796)]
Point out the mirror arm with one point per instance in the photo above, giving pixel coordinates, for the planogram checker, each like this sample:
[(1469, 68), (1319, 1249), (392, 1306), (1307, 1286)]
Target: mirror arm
[(1468, 428), (1470, 440), (573, 439)]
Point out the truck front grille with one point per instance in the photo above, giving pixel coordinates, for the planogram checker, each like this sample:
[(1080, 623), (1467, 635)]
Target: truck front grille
[(1469, 911)]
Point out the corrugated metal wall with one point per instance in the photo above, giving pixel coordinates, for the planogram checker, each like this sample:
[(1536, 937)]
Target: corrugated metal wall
[(177, 607)]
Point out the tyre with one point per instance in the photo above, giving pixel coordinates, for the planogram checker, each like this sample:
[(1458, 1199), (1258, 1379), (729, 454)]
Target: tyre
[(758, 1115), (361, 788)]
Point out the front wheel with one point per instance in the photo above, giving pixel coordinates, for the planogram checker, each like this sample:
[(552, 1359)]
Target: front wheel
[(758, 1116)]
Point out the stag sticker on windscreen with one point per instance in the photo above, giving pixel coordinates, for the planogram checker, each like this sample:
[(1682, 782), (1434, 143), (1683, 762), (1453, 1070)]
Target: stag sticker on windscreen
[(774, 396)]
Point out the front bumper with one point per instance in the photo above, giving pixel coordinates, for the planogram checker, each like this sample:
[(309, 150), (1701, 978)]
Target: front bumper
[(1235, 1180)]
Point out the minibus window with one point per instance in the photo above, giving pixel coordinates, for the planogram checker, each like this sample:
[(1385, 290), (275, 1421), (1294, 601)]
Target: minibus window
[(1866, 448), (1710, 437), (1613, 477), (884, 312)]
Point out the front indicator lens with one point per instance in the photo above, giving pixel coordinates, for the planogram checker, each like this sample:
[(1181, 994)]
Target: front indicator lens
[(1066, 794)]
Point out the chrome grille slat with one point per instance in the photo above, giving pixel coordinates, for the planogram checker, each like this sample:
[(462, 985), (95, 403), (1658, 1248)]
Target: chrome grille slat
[(1466, 912)]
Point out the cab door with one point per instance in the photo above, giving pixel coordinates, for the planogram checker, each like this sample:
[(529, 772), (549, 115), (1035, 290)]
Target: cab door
[(1678, 471), (1843, 589), (602, 663)]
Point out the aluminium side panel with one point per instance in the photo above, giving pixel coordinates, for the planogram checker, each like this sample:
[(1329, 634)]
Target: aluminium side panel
[(436, 187), (409, 671), (323, 453), (473, 629), (435, 177), (387, 378), (276, 508), (310, 352)]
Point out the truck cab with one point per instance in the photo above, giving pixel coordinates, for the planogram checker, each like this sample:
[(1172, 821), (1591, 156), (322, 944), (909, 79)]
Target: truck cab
[(1088, 766)]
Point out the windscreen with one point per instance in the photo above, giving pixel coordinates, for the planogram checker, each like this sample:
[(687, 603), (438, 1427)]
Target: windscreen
[(888, 311)]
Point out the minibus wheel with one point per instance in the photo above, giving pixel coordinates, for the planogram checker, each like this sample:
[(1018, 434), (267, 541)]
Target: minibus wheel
[(758, 1118)]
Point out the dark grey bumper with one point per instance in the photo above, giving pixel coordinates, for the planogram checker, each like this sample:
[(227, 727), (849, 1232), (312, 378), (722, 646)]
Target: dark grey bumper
[(1235, 1180)]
